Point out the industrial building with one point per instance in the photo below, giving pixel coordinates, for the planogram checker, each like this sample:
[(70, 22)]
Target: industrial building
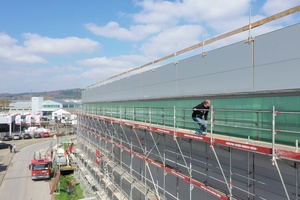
[(60, 110), (136, 137)]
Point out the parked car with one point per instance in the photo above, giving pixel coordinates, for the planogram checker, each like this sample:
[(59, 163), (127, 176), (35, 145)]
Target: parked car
[(7, 137), (37, 135), (45, 134), (27, 136), (17, 137), (4, 145)]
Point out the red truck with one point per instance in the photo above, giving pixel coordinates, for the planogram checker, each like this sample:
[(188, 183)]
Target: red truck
[(40, 168)]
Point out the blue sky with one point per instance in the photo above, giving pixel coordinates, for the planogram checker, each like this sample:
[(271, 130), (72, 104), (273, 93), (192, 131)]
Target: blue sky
[(59, 44)]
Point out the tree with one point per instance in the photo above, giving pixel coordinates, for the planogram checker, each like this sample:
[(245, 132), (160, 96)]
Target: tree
[(4, 102)]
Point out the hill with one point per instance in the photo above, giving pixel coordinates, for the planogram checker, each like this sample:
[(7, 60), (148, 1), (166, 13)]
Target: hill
[(48, 95)]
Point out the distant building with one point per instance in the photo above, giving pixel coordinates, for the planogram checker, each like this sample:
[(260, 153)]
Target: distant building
[(63, 116), (51, 106), (37, 106), (48, 107), (22, 107), (69, 103)]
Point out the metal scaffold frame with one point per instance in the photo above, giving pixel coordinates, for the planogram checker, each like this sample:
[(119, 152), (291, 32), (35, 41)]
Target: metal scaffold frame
[(141, 152)]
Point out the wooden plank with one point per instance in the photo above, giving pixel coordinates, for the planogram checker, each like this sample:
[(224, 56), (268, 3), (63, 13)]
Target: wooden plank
[(55, 183)]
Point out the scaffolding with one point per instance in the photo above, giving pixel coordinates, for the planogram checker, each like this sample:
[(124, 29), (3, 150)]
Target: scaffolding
[(151, 153)]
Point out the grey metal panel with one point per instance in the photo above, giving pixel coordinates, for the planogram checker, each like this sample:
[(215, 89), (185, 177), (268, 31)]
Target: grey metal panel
[(277, 59), (185, 78), (220, 71), (124, 87), (224, 70), (158, 83)]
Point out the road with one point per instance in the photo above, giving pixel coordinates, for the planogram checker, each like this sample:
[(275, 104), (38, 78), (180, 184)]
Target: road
[(17, 183)]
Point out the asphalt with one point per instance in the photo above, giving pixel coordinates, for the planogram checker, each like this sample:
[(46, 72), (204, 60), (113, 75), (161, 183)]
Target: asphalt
[(6, 157)]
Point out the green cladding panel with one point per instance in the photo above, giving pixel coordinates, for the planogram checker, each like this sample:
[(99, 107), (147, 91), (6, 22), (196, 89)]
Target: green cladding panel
[(245, 117)]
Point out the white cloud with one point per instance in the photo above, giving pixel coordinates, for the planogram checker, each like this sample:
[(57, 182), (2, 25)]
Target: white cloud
[(189, 10), (272, 7), (104, 62), (172, 40), (35, 45), (10, 52), (156, 16), (26, 67), (124, 61), (113, 30), (6, 40), (157, 28), (157, 12), (36, 79), (103, 67), (59, 46), (164, 27)]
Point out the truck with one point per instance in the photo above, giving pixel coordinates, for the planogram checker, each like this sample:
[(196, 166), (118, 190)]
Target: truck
[(63, 161), (61, 157), (40, 168)]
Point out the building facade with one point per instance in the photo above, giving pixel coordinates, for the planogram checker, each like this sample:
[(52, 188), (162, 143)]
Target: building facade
[(136, 135)]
